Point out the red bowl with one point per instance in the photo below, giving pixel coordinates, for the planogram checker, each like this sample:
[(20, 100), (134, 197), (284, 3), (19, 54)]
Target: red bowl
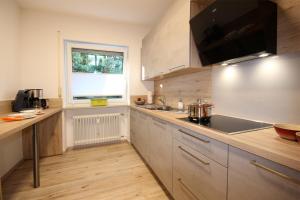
[(287, 131)]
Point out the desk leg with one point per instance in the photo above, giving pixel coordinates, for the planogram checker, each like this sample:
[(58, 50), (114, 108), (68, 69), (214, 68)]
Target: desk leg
[(1, 190), (35, 157)]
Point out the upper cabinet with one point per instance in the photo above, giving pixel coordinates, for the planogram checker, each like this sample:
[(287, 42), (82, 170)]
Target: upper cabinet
[(169, 46)]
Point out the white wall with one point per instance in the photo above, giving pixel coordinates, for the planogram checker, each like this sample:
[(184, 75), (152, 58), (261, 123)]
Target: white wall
[(11, 147), (40, 49), (264, 89), (39, 46), (9, 54)]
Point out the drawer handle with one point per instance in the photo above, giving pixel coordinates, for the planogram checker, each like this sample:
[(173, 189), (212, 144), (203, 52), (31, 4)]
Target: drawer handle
[(193, 156), (187, 188), (204, 141), (254, 162)]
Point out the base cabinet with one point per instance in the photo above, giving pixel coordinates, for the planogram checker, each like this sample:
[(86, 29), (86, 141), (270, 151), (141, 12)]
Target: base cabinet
[(195, 167), (153, 140), (161, 151), (133, 122), (139, 134), (142, 135), (196, 176), (253, 178)]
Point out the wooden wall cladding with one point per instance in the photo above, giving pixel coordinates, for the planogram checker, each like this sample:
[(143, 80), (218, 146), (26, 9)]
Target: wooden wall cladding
[(133, 98), (189, 87), (5, 107), (50, 137), (288, 34), (1, 197), (56, 103)]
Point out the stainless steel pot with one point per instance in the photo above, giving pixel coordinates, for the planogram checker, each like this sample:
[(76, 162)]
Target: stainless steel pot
[(194, 111), (199, 111)]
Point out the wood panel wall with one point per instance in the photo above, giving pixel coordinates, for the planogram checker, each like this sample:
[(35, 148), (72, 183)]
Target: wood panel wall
[(288, 34), (196, 85), (50, 131), (189, 87), (5, 107), (50, 137)]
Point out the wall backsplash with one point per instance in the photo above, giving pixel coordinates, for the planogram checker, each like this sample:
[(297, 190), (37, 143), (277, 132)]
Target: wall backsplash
[(189, 87), (264, 89)]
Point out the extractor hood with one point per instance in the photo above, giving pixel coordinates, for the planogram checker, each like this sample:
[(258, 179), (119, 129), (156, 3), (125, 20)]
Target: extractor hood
[(232, 31)]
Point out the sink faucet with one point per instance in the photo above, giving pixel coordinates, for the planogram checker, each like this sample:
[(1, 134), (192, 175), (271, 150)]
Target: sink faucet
[(163, 100)]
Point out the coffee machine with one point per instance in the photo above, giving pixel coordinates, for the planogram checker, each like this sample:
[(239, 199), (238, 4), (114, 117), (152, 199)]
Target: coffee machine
[(35, 96), (27, 99)]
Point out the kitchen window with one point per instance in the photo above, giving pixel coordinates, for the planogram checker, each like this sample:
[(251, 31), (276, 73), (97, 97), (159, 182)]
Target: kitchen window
[(95, 71)]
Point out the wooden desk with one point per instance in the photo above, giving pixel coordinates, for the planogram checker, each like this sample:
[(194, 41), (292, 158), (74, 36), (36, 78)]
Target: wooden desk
[(37, 128)]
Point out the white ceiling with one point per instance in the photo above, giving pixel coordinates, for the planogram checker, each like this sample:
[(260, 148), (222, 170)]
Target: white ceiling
[(144, 12)]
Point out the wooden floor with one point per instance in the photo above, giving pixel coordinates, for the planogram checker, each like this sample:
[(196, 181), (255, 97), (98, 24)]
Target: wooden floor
[(101, 173)]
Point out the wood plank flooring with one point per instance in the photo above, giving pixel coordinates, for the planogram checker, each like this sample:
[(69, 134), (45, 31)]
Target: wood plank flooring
[(100, 173)]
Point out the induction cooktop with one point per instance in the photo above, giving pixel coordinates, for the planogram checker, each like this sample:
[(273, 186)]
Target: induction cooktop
[(230, 125)]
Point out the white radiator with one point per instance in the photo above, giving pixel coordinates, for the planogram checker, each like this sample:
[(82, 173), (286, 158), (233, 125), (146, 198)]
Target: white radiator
[(96, 129)]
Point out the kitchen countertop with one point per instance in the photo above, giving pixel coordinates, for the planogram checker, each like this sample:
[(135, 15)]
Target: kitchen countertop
[(265, 143), (9, 128)]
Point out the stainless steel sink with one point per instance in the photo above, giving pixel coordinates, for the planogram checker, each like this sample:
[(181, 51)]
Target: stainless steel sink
[(156, 107), (161, 108)]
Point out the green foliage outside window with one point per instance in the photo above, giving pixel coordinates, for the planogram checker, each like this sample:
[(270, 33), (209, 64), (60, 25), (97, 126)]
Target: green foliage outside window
[(86, 61)]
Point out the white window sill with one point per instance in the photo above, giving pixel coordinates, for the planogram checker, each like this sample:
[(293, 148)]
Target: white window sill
[(88, 106)]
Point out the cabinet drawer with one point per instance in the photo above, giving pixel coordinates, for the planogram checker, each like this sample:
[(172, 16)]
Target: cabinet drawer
[(182, 192), (211, 148), (197, 176), (252, 177)]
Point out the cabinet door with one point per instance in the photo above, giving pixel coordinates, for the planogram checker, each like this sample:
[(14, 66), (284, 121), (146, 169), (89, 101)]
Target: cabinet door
[(173, 38), (161, 151), (197, 177), (167, 47), (142, 140), (146, 56), (133, 126), (176, 38), (253, 178)]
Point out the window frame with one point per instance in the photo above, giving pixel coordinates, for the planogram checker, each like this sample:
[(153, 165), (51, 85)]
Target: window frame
[(69, 44)]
